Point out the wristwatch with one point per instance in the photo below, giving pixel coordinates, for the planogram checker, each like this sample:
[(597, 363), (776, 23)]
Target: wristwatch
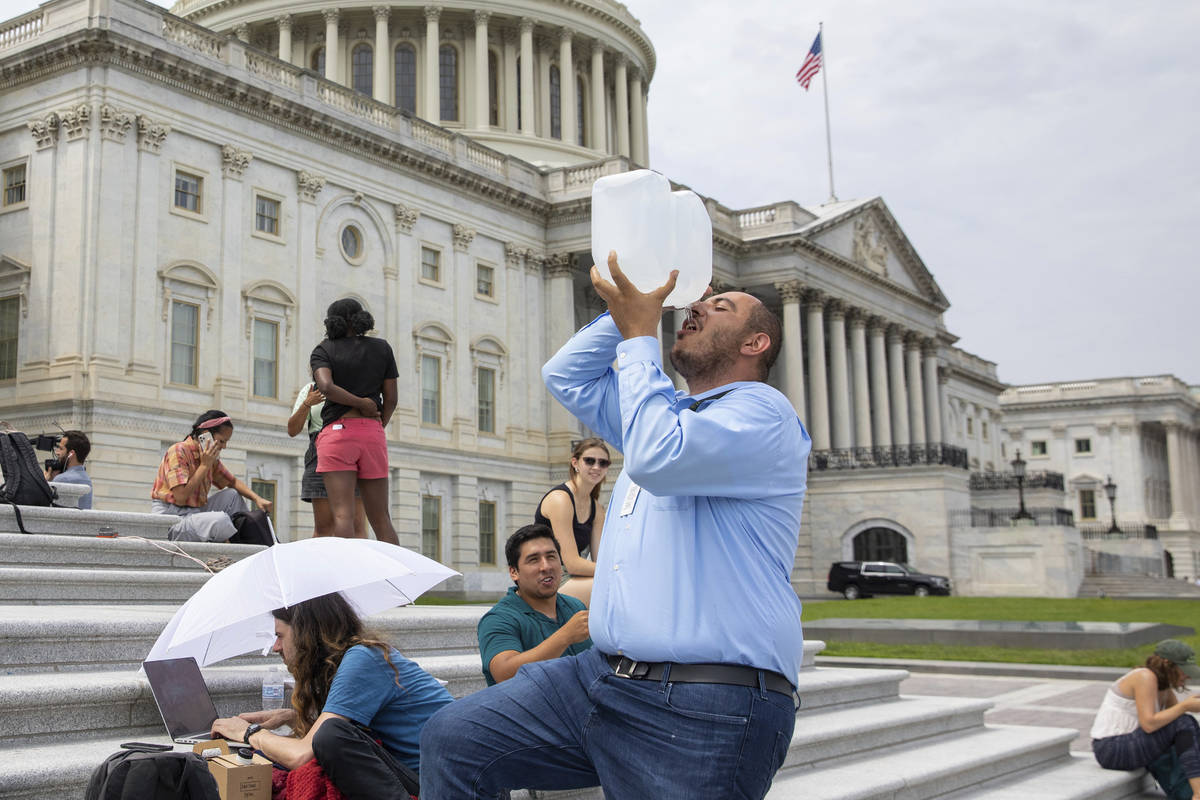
[(253, 729)]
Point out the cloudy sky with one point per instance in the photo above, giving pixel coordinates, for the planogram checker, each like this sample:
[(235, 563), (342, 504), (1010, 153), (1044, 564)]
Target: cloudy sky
[(1041, 156)]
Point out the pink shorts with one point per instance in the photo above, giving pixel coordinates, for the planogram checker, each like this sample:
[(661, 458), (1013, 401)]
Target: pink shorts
[(353, 445)]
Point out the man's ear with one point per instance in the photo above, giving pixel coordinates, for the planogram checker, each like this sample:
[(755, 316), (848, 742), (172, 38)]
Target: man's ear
[(756, 345), (512, 573)]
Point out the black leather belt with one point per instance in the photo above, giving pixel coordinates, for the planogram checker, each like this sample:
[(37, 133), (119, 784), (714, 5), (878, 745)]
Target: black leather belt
[(732, 674)]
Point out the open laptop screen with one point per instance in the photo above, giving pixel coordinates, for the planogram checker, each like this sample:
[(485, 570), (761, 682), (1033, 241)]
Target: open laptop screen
[(182, 696)]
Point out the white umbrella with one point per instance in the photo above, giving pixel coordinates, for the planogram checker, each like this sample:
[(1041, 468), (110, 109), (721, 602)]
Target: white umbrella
[(231, 614)]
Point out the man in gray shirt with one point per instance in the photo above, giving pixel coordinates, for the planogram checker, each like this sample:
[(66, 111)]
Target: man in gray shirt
[(71, 451)]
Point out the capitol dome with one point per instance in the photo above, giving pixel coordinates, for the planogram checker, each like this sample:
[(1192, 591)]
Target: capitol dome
[(461, 65)]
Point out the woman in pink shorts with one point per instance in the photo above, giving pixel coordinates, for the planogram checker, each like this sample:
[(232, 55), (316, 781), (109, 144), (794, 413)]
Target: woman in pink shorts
[(357, 374)]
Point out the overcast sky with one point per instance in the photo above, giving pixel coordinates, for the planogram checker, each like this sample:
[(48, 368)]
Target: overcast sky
[(1041, 156)]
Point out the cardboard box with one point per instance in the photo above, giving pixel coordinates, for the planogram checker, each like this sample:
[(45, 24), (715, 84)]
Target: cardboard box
[(236, 780)]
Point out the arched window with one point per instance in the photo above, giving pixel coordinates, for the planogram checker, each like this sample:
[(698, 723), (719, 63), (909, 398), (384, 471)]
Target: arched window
[(318, 60), (493, 89), (406, 77), (448, 82), (362, 68), (880, 544), (580, 105), (555, 103)]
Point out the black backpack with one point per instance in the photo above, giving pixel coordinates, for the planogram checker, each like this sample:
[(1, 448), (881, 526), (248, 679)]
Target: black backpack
[(24, 482), (134, 775)]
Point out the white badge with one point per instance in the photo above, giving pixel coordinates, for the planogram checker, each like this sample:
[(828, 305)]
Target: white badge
[(630, 498)]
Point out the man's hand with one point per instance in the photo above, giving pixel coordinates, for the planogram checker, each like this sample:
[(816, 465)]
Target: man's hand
[(576, 628), (275, 718), (210, 455), (636, 313), (232, 728), (263, 505), (368, 408)]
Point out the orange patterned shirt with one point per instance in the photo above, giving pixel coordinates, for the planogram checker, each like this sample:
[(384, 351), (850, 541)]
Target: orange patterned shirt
[(180, 461)]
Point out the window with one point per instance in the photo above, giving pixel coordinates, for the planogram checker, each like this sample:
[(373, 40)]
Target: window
[(10, 316), (555, 103), (318, 60), (266, 490), (1087, 503), (880, 544), (1037, 448), (484, 280), (406, 78), (518, 84), (362, 69), (431, 265), (983, 430), (1083, 446), (431, 526), (266, 356), (187, 191), (970, 427), (14, 185), (448, 82), (486, 380), (266, 215), (185, 319), (431, 390), (487, 532), (493, 89), (580, 105), (352, 244)]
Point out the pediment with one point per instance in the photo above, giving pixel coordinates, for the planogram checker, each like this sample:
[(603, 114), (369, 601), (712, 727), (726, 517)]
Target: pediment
[(269, 292), (13, 270)]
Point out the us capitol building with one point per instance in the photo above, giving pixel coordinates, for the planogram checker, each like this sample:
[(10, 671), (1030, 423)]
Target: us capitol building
[(184, 193)]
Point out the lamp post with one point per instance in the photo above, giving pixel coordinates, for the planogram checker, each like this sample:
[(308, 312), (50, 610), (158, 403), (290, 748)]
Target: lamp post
[(1018, 468), (1110, 489)]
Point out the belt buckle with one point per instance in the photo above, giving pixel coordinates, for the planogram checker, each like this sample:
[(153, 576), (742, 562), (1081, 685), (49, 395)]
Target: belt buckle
[(626, 668)]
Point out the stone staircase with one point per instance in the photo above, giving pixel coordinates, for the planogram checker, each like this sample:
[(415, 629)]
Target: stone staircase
[(78, 613), (1137, 586)]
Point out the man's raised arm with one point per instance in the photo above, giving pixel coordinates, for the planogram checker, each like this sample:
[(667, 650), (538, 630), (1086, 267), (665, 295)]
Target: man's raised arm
[(581, 377)]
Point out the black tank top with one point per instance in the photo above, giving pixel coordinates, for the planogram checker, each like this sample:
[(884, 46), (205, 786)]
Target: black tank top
[(583, 530)]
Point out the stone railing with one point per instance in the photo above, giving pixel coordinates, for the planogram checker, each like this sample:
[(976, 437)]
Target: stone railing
[(484, 157), (200, 39), (754, 217), (21, 29), (585, 175), (1108, 387), (931, 454), (272, 69), (427, 133), (1003, 517), (355, 103), (985, 481)]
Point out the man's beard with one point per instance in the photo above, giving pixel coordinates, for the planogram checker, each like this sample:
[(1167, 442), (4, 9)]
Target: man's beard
[(706, 358)]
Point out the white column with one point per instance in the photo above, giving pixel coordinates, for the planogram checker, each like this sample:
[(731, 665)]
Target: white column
[(637, 121), (333, 59), (544, 53), (527, 68), (482, 105), (862, 397), (818, 398), (1176, 474), (509, 84), (642, 98), (599, 117), (621, 84), (916, 402), (431, 103), (895, 340), (933, 405), (839, 378), (382, 56), (793, 347), (285, 37), (558, 270), (882, 415), (566, 89)]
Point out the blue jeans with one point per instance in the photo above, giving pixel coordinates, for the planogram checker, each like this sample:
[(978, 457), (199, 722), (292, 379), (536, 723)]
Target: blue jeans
[(570, 723)]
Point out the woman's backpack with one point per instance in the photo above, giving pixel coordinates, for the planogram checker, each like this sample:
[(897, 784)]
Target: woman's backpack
[(24, 482), (135, 775)]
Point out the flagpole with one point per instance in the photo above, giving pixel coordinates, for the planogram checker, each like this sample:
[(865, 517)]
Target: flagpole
[(825, 90)]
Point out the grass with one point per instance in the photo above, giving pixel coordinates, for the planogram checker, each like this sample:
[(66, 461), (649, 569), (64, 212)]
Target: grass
[(1174, 612)]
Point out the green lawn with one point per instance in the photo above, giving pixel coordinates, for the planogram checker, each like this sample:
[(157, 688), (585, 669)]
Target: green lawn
[(1176, 612)]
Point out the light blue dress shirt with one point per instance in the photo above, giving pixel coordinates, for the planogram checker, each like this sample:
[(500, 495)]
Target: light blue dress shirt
[(703, 522)]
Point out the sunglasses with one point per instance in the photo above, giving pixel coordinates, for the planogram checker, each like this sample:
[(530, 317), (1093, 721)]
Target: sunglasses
[(591, 462)]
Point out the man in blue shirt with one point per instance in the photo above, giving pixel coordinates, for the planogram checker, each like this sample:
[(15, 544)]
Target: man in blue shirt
[(533, 622), (71, 451), (688, 692)]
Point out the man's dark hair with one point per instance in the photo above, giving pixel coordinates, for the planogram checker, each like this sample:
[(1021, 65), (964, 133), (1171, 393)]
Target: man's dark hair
[(78, 441), (763, 320), (512, 548)]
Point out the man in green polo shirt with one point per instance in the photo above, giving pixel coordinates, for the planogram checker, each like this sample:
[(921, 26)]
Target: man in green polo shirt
[(533, 622)]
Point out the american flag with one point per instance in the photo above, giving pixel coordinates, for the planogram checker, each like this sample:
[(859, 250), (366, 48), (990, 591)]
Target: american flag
[(811, 65)]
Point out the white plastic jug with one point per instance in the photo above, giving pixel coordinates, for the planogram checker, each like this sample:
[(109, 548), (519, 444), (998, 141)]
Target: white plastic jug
[(654, 231)]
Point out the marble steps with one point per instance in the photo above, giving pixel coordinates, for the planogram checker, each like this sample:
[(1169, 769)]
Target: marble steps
[(1143, 586), (34, 551), (85, 523), (1078, 777), (53, 585)]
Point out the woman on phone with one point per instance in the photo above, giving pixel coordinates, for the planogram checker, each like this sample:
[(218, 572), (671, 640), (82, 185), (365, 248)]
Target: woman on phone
[(357, 375), (571, 510)]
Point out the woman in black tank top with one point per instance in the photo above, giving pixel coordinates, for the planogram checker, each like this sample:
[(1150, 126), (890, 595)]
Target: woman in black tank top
[(573, 512)]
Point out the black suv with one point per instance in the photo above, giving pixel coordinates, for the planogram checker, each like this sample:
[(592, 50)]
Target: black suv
[(863, 578)]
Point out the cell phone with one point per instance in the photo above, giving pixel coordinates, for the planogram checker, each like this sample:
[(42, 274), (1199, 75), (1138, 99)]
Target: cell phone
[(147, 747), (205, 439)]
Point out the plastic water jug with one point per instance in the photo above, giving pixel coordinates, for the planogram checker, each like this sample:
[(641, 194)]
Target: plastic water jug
[(654, 231), (272, 688)]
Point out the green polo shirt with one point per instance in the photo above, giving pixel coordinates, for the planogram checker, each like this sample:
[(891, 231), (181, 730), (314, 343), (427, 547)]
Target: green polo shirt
[(512, 625)]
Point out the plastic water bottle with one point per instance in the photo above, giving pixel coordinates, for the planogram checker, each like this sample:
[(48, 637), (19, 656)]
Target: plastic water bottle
[(272, 688)]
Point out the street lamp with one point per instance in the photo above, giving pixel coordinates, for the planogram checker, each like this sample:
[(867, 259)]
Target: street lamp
[(1110, 489), (1018, 468)]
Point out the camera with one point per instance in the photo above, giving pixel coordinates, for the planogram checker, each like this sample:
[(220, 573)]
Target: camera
[(45, 441)]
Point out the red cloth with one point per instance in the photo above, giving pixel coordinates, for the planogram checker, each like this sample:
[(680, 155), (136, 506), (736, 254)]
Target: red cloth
[(307, 782)]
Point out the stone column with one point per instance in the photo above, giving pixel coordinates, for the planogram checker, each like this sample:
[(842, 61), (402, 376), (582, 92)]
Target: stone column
[(840, 383), (432, 101), (510, 88), (144, 336), (637, 120), (793, 347), (562, 299), (642, 98), (333, 59), (545, 50), (527, 67), (933, 405), (599, 117), (819, 393), (916, 400), (566, 88), (895, 340), (621, 84), (482, 106), (862, 397), (1177, 474), (882, 415), (382, 78), (285, 37)]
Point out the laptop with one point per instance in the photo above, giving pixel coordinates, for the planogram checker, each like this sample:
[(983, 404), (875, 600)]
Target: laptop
[(183, 700)]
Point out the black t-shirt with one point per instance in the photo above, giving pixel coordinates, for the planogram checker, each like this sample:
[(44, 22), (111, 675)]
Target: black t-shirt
[(360, 365)]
